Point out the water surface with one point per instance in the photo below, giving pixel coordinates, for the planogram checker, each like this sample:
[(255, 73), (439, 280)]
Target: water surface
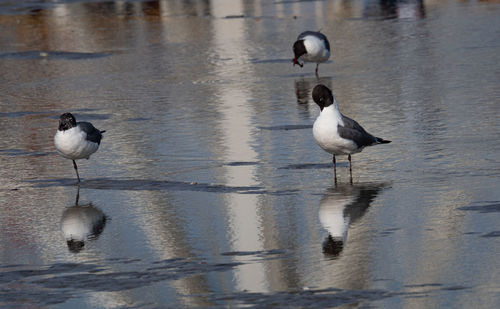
[(208, 189)]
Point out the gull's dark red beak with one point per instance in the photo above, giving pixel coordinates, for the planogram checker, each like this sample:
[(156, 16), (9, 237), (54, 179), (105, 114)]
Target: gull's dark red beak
[(296, 61)]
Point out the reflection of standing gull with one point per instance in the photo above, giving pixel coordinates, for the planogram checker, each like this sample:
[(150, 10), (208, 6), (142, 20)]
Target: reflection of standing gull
[(81, 223), (391, 9), (341, 206)]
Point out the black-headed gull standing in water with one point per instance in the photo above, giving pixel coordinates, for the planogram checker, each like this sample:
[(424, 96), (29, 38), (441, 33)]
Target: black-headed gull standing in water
[(311, 46), (76, 140), (336, 133)]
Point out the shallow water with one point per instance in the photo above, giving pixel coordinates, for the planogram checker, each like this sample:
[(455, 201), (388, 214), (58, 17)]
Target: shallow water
[(208, 189)]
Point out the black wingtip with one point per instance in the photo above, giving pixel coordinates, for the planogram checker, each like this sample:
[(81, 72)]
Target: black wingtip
[(382, 141), (103, 131)]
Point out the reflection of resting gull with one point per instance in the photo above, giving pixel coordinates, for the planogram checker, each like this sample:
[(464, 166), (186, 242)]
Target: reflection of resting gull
[(81, 223), (341, 206)]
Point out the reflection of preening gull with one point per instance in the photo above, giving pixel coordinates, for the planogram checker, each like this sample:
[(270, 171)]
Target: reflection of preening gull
[(76, 140), (336, 133), (311, 46), (340, 207), (81, 223)]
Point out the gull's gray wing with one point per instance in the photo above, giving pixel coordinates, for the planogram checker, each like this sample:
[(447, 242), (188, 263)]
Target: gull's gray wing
[(353, 131), (93, 134)]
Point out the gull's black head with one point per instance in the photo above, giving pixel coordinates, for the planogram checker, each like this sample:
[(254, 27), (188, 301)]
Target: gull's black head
[(299, 49), (66, 121), (322, 96)]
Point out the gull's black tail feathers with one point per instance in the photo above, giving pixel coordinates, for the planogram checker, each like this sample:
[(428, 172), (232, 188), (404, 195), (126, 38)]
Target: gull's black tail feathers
[(382, 141)]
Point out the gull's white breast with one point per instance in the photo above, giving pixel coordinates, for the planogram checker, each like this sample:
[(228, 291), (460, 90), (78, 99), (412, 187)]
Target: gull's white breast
[(326, 134), (73, 144)]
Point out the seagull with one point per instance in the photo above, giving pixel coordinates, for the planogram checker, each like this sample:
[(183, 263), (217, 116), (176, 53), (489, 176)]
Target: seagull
[(311, 46), (336, 133), (76, 140)]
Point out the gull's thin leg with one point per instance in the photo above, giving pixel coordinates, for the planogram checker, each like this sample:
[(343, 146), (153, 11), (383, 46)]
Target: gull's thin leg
[(317, 65), (350, 167), (77, 196), (334, 169), (76, 170)]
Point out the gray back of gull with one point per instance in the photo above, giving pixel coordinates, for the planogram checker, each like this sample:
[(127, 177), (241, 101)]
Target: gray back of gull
[(93, 134), (353, 131)]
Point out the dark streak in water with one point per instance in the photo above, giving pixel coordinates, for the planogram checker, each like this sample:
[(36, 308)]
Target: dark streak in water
[(295, 1), (58, 283), (137, 119), (241, 163), (55, 114), (310, 166), (152, 185), (483, 207), (255, 61), (21, 153), (423, 285), (20, 114), (492, 234), (455, 288), (55, 55), (234, 16), (320, 298), (288, 127), (254, 253), (86, 117)]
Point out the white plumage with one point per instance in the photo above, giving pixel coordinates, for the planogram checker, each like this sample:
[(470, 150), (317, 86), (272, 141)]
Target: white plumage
[(325, 132), (73, 144), (311, 46), (316, 50), (76, 140)]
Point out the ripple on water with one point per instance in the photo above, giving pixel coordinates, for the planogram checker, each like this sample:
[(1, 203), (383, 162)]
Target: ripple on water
[(52, 55), (152, 185), (483, 207)]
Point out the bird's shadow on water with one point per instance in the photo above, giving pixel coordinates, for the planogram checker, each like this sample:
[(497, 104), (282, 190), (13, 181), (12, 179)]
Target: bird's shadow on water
[(153, 185)]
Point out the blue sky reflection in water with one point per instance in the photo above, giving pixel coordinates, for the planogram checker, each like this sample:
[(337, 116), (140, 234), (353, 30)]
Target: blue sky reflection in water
[(208, 189)]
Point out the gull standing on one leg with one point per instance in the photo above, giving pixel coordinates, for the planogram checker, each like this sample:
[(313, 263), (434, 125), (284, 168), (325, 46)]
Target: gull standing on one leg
[(76, 140)]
